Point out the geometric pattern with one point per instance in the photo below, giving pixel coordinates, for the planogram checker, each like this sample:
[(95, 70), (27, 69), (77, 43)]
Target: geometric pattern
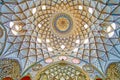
[(94, 38), (62, 71), (62, 23), (113, 71), (9, 68)]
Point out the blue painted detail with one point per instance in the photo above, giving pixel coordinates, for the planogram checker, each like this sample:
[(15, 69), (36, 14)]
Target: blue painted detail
[(67, 17)]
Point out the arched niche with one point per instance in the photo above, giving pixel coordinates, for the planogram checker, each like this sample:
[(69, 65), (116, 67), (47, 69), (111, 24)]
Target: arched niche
[(113, 71), (9, 68), (61, 71)]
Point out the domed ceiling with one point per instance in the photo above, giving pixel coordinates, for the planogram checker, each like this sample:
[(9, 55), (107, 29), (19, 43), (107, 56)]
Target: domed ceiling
[(83, 32)]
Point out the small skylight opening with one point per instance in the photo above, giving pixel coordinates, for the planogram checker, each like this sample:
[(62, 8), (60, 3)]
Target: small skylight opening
[(47, 40), (43, 7), (50, 49), (80, 7), (90, 10), (11, 24), (113, 26), (77, 41), (111, 34), (39, 40), (34, 10), (86, 26), (18, 27), (109, 29), (62, 46), (75, 50), (86, 41), (39, 25)]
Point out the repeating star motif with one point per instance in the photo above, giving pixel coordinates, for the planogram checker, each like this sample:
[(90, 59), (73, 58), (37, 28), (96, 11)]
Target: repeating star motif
[(26, 34)]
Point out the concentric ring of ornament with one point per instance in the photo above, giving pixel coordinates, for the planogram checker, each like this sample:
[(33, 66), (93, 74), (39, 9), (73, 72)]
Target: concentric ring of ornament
[(62, 23), (95, 45)]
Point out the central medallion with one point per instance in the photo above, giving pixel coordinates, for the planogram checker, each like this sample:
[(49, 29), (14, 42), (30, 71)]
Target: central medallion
[(62, 23)]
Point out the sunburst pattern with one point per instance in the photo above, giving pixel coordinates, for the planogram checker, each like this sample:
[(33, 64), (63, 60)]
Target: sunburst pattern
[(29, 36)]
